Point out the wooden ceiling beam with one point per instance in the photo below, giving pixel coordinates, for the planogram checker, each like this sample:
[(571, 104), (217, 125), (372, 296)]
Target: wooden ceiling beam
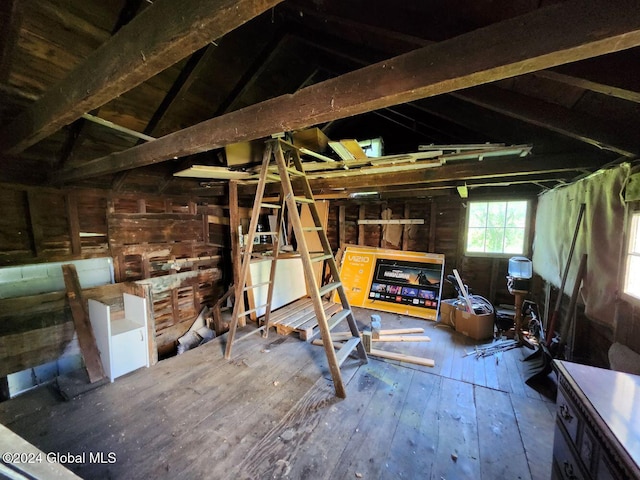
[(160, 36), (579, 126), (536, 112), (513, 47), (594, 86), (181, 84), (77, 131), (609, 75), (273, 48)]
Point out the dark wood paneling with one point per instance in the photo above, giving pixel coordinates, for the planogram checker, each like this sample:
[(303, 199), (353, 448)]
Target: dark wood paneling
[(131, 229)]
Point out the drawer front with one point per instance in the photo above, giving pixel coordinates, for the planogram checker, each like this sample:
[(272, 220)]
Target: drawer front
[(568, 415), (588, 448), (606, 469), (567, 464)]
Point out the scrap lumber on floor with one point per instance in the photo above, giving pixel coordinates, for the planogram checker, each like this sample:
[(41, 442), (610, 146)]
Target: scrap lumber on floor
[(300, 317), (271, 412)]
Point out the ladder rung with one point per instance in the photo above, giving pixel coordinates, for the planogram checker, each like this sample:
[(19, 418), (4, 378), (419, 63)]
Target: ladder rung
[(249, 287), (346, 349), (311, 229), (303, 200), (269, 205), (329, 287), (247, 312), (259, 234), (321, 258), (337, 318)]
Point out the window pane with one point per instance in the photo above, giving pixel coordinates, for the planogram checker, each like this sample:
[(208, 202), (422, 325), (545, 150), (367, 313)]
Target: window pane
[(514, 240), (495, 239), (634, 234), (632, 282), (496, 227), (477, 214), (475, 240), (516, 214), (496, 214)]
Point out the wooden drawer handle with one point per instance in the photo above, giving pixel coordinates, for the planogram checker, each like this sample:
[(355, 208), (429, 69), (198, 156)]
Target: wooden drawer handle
[(568, 471), (565, 413)]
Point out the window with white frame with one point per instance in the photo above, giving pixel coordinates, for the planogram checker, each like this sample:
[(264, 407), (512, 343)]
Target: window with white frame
[(632, 270), (497, 227)]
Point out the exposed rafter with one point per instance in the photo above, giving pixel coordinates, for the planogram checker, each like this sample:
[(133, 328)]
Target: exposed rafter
[(616, 138), (496, 52), (162, 35), (609, 75)]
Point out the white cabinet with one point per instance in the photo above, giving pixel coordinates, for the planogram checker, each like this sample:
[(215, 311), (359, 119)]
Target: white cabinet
[(122, 341)]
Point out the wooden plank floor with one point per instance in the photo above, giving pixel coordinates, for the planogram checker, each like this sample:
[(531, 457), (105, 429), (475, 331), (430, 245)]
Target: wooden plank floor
[(271, 413)]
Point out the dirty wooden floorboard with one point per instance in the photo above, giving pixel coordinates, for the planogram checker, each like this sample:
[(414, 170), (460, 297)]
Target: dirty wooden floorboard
[(271, 413)]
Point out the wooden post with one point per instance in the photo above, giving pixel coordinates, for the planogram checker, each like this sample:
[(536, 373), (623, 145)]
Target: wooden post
[(234, 225), (405, 229), (34, 224), (433, 215), (71, 202), (341, 226), (361, 215), (80, 315)]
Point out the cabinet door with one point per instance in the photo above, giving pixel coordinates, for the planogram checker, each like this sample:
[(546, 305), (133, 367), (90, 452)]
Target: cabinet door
[(128, 352)]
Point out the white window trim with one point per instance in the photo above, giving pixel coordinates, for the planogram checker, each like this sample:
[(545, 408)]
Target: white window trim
[(625, 256)]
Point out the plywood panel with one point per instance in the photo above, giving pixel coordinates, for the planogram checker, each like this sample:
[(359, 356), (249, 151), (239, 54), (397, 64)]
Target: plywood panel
[(289, 282)]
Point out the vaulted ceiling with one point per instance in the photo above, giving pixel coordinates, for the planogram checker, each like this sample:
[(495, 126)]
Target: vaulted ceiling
[(124, 93)]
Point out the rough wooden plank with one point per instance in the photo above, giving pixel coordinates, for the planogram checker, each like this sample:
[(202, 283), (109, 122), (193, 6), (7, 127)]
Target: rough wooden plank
[(536, 421), (497, 52), (361, 215), (157, 38), (495, 168), (82, 324), (371, 439), (501, 446), (413, 452), (35, 231), (458, 454), (427, 362), (74, 223)]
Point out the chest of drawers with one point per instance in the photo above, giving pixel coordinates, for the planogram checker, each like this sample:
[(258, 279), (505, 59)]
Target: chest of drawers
[(597, 434)]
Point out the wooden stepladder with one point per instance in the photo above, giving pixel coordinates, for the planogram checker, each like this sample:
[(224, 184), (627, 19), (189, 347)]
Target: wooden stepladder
[(294, 191)]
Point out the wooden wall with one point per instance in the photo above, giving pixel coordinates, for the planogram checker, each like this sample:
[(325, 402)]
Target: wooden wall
[(177, 242), (442, 232)]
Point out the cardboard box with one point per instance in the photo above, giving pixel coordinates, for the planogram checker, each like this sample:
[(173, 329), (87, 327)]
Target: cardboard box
[(312, 138), (448, 311), (479, 327)]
